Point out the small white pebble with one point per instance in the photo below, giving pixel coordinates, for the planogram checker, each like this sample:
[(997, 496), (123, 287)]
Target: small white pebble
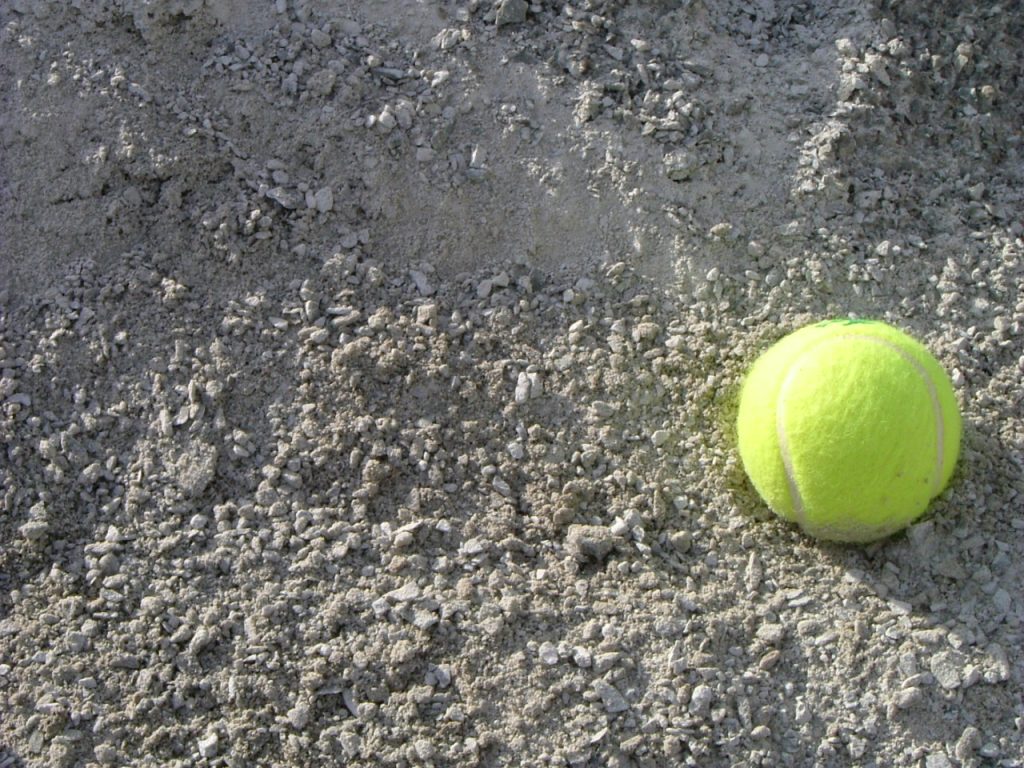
[(660, 436), (324, 200), (522, 393), (548, 653), (582, 657), (619, 527), (424, 749), (298, 716), (700, 701), (208, 745)]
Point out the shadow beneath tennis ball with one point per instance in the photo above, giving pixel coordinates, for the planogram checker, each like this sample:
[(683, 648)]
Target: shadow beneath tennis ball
[(936, 601), (923, 621)]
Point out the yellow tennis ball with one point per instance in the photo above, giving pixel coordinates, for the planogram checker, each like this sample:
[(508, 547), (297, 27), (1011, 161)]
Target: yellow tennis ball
[(848, 428)]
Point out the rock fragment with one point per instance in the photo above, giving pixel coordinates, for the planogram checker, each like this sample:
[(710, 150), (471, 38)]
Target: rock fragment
[(589, 542), (510, 12), (614, 702), (680, 164), (700, 700), (947, 666)]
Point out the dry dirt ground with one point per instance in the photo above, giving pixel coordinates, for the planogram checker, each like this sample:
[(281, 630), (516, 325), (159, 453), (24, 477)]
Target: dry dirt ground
[(369, 372)]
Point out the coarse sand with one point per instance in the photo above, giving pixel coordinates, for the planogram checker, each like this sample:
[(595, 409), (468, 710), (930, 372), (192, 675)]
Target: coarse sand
[(368, 373)]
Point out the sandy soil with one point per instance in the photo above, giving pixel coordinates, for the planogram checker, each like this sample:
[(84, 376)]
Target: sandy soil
[(369, 372)]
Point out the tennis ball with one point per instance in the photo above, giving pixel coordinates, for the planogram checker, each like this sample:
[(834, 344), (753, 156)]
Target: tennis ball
[(848, 428)]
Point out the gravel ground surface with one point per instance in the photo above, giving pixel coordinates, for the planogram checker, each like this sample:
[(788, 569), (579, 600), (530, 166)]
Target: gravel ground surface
[(369, 372)]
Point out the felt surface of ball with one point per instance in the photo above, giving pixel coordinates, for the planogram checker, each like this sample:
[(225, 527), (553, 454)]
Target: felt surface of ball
[(848, 428)]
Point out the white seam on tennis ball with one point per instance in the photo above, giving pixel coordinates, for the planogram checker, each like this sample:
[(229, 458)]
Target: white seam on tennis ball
[(787, 459)]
